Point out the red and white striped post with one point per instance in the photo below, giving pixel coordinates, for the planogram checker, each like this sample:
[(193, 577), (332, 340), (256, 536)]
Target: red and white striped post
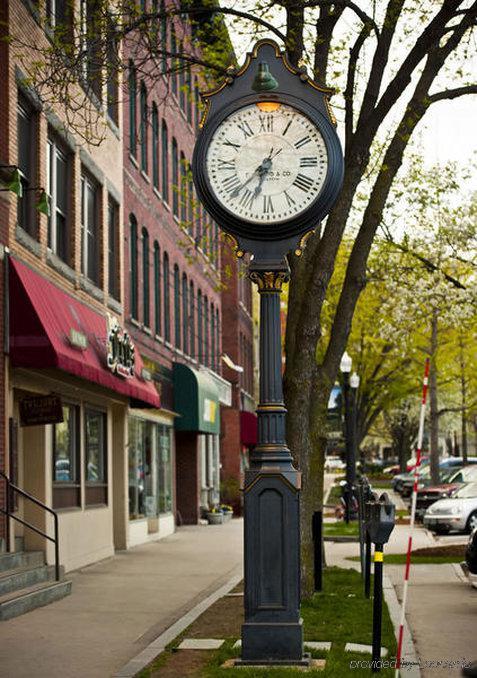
[(417, 467)]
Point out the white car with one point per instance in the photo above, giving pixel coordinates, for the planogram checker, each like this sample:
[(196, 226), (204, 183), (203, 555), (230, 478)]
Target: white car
[(334, 464), (458, 512)]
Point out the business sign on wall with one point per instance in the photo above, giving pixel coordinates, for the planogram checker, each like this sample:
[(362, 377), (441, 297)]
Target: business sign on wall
[(39, 410), (210, 410), (121, 350)]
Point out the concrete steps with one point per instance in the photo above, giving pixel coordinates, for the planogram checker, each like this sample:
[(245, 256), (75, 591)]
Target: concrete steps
[(27, 583)]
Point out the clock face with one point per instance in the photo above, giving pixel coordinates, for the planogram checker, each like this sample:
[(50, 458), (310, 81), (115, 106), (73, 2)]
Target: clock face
[(266, 166)]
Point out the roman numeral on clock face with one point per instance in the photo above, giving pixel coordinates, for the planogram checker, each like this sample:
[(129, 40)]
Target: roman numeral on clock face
[(267, 204), (286, 128), (266, 123), (231, 144), (246, 129), (303, 182), (302, 142), (309, 162), (231, 183), (290, 201), (246, 199), (225, 164)]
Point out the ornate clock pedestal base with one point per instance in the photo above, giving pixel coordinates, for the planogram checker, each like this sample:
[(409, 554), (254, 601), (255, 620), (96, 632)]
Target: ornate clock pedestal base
[(273, 630)]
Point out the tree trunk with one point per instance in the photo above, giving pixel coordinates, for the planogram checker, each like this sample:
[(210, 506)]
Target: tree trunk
[(434, 413), (402, 455), (463, 390), (474, 423)]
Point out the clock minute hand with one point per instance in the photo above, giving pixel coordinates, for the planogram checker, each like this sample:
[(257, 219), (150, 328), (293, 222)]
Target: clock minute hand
[(258, 170), (237, 190)]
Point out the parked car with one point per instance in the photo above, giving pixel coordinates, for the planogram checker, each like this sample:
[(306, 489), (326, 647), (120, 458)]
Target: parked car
[(334, 464), (410, 466), (458, 512), (398, 480), (471, 553), (425, 476), (451, 482)]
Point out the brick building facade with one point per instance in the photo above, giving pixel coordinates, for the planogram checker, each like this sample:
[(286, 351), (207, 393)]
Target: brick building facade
[(114, 304), (239, 429), (64, 299), (172, 255)]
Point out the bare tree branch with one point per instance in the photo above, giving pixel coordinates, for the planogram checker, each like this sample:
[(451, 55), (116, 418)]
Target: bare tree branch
[(453, 93), (346, 4)]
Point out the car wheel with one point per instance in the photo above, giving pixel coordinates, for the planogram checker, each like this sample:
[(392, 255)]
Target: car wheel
[(472, 521)]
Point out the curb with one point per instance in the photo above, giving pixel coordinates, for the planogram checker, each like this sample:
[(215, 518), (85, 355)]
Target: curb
[(146, 656), (408, 648)]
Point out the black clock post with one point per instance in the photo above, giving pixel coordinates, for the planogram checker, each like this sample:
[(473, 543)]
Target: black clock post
[(272, 632)]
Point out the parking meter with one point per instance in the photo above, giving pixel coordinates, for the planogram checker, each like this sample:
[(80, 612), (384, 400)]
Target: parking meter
[(380, 519)]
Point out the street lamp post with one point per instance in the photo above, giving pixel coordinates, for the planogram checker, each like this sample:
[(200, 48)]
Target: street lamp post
[(354, 384), (345, 367)]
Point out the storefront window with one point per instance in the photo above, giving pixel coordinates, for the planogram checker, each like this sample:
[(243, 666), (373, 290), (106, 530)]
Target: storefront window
[(210, 469), (96, 457), (164, 469), (66, 487), (137, 464), (150, 469)]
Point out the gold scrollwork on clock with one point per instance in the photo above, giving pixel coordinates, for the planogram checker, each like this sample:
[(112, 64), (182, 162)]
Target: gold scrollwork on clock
[(269, 281)]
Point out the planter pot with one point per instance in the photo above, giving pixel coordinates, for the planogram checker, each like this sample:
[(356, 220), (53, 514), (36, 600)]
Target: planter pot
[(215, 518), (227, 515)]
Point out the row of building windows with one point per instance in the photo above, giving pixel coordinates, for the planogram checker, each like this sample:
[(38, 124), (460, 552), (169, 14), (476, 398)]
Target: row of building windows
[(174, 185), (60, 183), (194, 327), (98, 52)]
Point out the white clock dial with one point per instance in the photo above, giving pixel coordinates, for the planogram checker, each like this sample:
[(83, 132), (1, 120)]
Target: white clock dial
[(266, 166)]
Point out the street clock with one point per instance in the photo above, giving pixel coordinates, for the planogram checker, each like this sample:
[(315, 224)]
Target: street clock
[(268, 164)]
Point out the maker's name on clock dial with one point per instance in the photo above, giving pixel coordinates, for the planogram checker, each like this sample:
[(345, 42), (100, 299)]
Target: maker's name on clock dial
[(266, 166)]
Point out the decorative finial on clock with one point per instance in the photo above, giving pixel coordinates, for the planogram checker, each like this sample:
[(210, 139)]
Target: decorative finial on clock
[(264, 80)]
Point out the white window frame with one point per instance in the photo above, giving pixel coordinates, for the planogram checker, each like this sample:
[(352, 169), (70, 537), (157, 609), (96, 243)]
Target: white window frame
[(52, 152), (85, 225)]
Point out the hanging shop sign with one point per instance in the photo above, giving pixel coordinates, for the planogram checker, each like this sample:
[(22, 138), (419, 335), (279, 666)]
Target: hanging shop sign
[(39, 410), (78, 339), (121, 358)]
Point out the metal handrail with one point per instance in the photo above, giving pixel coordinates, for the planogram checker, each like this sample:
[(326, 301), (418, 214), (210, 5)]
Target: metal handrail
[(8, 513)]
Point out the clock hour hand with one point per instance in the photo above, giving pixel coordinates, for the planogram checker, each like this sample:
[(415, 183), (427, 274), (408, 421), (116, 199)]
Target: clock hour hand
[(258, 188)]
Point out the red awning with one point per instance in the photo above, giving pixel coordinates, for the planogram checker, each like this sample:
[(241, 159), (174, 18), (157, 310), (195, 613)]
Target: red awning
[(41, 319), (248, 428)]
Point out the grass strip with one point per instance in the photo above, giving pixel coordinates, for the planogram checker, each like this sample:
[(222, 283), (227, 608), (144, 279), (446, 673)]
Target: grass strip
[(340, 614)]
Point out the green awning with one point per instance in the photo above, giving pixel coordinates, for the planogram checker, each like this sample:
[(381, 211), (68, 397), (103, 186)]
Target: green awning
[(196, 400)]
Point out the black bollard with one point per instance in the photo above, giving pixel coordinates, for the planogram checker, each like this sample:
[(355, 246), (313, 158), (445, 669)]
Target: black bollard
[(317, 529), (377, 607), (367, 566), (361, 525)]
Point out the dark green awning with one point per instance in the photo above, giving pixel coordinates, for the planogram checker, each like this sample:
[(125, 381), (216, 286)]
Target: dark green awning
[(196, 400)]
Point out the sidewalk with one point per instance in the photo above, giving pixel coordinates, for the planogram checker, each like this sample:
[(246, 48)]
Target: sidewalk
[(120, 605)]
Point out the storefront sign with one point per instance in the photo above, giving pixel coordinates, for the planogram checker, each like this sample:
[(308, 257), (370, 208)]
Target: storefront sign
[(40, 410), (120, 350), (210, 410), (78, 339)]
